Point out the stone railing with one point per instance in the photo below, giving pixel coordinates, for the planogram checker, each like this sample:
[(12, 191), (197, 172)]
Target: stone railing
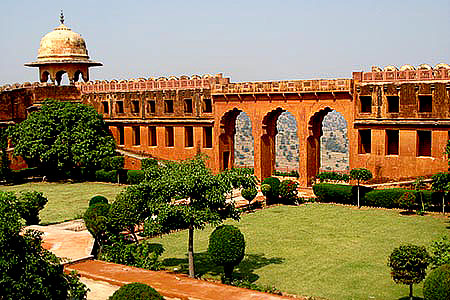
[(295, 86), (406, 75)]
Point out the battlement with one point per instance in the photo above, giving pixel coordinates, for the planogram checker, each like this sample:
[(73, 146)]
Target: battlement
[(423, 72), (25, 85), (152, 84), (294, 86)]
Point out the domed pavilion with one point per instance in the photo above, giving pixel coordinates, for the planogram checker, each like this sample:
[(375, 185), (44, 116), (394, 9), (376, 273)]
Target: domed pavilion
[(63, 51)]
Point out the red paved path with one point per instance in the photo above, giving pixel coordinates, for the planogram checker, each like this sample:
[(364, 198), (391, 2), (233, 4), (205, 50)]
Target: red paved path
[(168, 284)]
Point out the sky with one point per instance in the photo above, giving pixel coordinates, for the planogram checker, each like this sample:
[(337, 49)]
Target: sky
[(245, 40)]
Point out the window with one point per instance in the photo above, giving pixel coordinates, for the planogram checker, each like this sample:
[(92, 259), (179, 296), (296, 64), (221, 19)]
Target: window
[(152, 136), (425, 103), (188, 136), (121, 135), (393, 104), (136, 135), (365, 141), (168, 106), (152, 106), (366, 104), (169, 136), (135, 107), (188, 106), (207, 105), (423, 143), (119, 107), (207, 137), (392, 142), (105, 107)]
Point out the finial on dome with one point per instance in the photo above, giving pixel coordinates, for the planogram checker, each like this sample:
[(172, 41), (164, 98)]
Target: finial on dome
[(61, 17)]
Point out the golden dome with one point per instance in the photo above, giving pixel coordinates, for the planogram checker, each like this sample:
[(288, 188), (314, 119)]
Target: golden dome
[(62, 44)]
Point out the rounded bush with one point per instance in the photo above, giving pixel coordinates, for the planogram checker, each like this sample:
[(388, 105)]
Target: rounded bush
[(437, 284), (136, 291), (407, 200), (288, 191), (249, 193), (273, 193), (98, 199), (226, 247)]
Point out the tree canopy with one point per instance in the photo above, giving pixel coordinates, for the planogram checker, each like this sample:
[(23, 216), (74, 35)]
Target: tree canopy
[(62, 136)]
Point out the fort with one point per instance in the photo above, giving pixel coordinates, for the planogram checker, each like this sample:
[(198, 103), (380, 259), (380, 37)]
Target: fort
[(398, 119)]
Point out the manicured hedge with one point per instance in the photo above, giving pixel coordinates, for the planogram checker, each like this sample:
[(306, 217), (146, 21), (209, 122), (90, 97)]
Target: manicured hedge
[(335, 193), (135, 176), (388, 198), (106, 176)]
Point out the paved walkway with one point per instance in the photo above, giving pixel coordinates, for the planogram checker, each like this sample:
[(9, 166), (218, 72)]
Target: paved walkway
[(171, 286)]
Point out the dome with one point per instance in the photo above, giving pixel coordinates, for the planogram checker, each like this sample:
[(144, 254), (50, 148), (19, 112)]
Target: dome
[(62, 44)]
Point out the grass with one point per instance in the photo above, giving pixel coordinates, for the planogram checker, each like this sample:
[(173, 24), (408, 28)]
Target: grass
[(67, 201), (321, 250)]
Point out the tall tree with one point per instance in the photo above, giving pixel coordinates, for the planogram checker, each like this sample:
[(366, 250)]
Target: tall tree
[(62, 136), (360, 174)]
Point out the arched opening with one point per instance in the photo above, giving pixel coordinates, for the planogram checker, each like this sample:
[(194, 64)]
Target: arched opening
[(77, 76), (316, 131), (334, 143), (235, 121), (243, 142), (45, 76), (62, 78), (287, 146)]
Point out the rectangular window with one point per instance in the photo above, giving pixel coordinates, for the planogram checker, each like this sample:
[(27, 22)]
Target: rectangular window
[(365, 141), (425, 103), (207, 106), (188, 136), (188, 106), (392, 142), (207, 137), (393, 104), (121, 135), (168, 106), (423, 143), (152, 136), (119, 107), (105, 107), (366, 104), (152, 106), (169, 137), (135, 107), (136, 135)]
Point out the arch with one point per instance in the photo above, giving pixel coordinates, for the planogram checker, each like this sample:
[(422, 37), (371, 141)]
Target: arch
[(287, 143), (226, 138), (76, 75), (59, 76), (334, 143), (243, 141), (45, 75)]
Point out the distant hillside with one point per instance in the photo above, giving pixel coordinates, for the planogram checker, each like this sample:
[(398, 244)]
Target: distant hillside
[(334, 142)]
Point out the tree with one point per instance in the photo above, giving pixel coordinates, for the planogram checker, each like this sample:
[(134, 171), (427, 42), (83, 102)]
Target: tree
[(96, 221), (5, 169), (408, 265), (28, 271), (360, 174), (62, 136), (226, 248), (202, 198), (441, 183), (419, 184)]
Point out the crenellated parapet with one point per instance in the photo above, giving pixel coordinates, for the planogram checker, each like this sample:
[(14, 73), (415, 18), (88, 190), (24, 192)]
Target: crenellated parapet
[(423, 72), (25, 85), (294, 86), (152, 84)]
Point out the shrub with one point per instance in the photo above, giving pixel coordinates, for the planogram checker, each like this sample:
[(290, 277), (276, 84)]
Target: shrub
[(408, 265), (96, 221), (407, 200), (249, 193), (30, 203), (388, 198), (288, 192), (143, 255), (440, 252), (226, 248), (135, 176), (148, 163), (336, 193), (106, 176), (136, 291), (273, 193), (98, 199), (112, 163), (332, 176), (437, 284)]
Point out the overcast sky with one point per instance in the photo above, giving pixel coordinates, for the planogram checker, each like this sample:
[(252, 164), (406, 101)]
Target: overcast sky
[(244, 40)]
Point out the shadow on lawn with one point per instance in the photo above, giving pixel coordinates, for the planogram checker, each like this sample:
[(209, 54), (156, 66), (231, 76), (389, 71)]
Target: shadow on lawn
[(414, 298), (203, 265)]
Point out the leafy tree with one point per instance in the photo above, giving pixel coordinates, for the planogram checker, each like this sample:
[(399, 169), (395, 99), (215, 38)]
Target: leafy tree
[(441, 183), (360, 174), (62, 136), (440, 252), (202, 198), (96, 221), (28, 271), (226, 248), (4, 160), (408, 265), (419, 185)]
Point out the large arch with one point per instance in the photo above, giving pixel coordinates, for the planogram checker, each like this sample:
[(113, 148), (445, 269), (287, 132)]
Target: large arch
[(334, 143), (243, 141)]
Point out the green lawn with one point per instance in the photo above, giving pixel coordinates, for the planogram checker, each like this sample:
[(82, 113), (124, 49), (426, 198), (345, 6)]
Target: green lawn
[(322, 250), (67, 201)]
